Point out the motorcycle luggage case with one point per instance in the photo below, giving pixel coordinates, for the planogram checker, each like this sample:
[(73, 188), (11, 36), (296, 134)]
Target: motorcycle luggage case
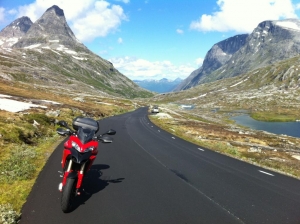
[(85, 122)]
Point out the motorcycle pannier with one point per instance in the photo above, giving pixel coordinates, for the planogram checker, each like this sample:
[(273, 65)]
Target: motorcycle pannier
[(85, 122)]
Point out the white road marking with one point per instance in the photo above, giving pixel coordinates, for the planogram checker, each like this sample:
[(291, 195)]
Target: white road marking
[(201, 149), (158, 130), (266, 173), (151, 126), (173, 137)]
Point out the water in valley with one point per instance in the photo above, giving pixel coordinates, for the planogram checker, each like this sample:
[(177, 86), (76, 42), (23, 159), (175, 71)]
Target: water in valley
[(285, 128)]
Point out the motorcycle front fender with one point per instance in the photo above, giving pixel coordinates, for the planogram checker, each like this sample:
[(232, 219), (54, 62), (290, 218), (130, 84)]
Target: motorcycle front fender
[(73, 175)]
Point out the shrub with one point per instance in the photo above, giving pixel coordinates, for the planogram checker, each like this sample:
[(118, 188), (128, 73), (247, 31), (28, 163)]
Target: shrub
[(18, 166), (8, 215), (42, 119)]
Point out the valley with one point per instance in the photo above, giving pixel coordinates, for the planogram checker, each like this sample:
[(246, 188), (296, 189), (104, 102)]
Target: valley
[(51, 76)]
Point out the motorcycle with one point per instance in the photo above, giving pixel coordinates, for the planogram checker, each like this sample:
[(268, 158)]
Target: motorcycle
[(79, 153)]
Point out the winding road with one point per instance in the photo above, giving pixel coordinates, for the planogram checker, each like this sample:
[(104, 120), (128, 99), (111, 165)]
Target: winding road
[(148, 175)]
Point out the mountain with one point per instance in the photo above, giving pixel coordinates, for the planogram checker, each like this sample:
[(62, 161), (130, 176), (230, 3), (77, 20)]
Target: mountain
[(14, 31), (160, 86), (52, 27), (46, 54), (270, 42), (269, 89), (217, 56)]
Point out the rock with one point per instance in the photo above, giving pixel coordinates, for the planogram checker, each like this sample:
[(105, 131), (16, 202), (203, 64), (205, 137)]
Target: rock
[(296, 157), (35, 123), (254, 149), (79, 99), (277, 159), (53, 113)]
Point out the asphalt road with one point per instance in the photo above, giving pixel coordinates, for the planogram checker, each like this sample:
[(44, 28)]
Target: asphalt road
[(150, 176)]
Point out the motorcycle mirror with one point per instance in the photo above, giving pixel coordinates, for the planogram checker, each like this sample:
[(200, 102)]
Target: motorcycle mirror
[(63, 124), (111, 132), (62, 131), (105, 139)]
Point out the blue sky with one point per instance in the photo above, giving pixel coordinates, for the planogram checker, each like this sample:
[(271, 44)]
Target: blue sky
[(154, 39)]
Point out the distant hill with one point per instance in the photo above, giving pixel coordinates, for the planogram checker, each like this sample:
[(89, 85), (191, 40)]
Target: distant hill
[(160, 86)]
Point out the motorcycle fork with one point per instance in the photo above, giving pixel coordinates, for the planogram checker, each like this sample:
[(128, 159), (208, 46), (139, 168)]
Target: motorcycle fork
[(67, 172), (80, 176)]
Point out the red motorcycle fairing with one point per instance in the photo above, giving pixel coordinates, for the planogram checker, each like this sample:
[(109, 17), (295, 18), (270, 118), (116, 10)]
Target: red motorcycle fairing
[(83, 147), (81, 158)]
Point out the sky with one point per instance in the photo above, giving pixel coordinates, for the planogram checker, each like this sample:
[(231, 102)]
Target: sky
[(154, 39)]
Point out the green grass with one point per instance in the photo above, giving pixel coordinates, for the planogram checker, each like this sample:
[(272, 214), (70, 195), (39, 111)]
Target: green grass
[(20, 165), (290, 166), (274, 117)]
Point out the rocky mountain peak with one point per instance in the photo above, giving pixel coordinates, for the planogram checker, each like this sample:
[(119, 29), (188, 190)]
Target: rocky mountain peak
[(49, 57), (58, 11), (17, 28), (51, 28), (270, 42), (218, 55), (14, 31)]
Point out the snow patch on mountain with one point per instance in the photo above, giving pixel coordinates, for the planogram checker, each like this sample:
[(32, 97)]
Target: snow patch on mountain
[(33, 46)]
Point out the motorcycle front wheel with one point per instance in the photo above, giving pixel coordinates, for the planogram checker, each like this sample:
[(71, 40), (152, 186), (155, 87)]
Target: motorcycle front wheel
[(68, 194)]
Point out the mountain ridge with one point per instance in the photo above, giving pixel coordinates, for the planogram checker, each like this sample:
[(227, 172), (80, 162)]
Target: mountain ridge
[(270, 42), (217, 56), (49, 55), (51, 26), (163, 85)]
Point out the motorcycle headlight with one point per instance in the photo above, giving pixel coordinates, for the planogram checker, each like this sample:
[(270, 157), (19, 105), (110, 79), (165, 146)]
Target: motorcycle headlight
[(89, 149), (76, 146)]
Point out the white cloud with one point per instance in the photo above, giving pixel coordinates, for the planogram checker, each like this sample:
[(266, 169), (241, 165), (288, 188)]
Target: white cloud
[(179, 31), (120, 40), (199, 61), (88, 19), (99, 22), (140, 69), (12, 12), (243, 15)]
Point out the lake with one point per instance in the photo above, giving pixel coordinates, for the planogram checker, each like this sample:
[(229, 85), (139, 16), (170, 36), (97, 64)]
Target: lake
[(285, 128)]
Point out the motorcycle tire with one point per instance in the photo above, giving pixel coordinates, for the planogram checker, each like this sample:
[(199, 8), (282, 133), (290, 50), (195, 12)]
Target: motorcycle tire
[(68, 194)]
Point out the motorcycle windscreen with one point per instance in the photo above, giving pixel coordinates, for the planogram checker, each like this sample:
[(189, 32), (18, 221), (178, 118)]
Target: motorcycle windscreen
[(85, 135)]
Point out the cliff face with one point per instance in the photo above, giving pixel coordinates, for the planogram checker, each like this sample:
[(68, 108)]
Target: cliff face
[(270, 42), (217, 56)]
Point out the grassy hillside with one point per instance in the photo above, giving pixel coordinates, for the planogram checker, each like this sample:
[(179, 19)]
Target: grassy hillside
[(272, 90), (67, 70)]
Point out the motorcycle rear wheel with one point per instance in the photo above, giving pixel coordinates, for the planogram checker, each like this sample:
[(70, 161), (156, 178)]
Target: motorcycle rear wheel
[(68, 194)]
